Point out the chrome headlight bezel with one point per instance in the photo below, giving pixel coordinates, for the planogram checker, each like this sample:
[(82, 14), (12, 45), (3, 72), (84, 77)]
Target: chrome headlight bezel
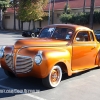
[(38, 58), (2, 51)]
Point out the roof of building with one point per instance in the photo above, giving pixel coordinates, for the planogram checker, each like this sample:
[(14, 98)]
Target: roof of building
[(60, 4), (73, 4)]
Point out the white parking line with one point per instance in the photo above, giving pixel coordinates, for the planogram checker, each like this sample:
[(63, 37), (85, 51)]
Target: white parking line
[(29, 95)]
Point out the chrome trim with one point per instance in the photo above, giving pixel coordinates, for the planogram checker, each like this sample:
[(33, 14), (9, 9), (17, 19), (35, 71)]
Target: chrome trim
[(9, 61), (39, 54), (24, 64)]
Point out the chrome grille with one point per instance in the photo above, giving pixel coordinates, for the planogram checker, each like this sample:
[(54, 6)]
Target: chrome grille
[(9, 61), (24, 64)]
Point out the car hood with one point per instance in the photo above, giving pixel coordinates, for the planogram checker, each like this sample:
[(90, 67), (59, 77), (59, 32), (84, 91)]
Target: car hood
[(39, 42)]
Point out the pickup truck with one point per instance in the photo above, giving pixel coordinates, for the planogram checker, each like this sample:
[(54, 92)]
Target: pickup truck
[(59, 48)]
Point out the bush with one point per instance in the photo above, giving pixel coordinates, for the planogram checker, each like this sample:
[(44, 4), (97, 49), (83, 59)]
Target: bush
[(80, 18)]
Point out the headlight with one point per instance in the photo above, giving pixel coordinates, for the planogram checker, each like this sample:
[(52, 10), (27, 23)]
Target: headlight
[(38, 58), (2, 51)]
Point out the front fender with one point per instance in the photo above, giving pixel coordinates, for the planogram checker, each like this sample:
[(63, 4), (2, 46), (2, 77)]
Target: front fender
[(55, 57), (51, 56)]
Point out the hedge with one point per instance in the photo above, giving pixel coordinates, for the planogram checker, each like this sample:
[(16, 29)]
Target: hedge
[(80, 18)]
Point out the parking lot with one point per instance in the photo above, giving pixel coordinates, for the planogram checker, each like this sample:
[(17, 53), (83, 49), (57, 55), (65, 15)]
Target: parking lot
[(82, 86)]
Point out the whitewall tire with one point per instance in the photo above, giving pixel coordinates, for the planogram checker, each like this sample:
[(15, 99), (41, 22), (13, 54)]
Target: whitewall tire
[(54, 77)]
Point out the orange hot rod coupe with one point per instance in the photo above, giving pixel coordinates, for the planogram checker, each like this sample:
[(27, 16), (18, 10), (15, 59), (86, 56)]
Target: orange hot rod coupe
[(59, 48)]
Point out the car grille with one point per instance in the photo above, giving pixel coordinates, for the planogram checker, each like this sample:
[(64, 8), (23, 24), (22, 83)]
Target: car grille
[(9, 61), (23, 64)]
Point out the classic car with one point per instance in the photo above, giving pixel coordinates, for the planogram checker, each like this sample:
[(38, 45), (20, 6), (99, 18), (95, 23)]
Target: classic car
[(59, 48), (97, 34), (31, 33)]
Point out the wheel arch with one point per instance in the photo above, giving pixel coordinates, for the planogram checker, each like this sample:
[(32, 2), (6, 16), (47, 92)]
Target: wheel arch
[(66, 68), (97, 59)]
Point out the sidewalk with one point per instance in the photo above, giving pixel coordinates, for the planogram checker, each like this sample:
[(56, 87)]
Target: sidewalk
[(6, 31)]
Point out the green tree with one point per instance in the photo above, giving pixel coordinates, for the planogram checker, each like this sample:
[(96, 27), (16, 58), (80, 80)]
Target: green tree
[(3, 5), (31, 10)]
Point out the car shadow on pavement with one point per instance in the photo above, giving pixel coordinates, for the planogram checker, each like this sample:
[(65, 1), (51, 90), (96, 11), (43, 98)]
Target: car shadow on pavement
[(14, 86), (10, 87), (65, 76)]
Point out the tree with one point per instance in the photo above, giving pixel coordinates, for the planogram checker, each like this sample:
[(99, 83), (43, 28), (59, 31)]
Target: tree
[(3, 5), (31, 10)]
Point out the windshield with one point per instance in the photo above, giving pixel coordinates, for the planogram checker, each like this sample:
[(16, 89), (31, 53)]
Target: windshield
[(56, 33)]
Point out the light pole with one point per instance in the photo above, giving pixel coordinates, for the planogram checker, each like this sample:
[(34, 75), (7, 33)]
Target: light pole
[(49, 12)]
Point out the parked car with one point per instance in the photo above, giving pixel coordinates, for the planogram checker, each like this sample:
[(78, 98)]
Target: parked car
[(31, 33), (59, 48), (97, 34)]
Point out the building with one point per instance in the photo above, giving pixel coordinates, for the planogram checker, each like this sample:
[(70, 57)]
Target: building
[(75, 5)]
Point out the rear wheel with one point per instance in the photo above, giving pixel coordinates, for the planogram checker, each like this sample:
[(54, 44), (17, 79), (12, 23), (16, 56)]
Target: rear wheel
[(32, 35), (54, 77), (8, 73)]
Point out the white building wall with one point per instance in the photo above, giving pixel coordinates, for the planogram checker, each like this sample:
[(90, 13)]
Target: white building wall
[(9, 21)]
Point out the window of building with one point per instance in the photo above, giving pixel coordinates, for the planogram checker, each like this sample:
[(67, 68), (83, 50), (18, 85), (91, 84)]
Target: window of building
[(7, 17)]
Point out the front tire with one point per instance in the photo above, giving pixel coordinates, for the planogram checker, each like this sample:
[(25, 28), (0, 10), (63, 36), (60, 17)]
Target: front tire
[(54, 77)]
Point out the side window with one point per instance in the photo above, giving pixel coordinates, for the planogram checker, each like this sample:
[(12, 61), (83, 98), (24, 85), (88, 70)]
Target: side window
[(82, 36), (91, 36)]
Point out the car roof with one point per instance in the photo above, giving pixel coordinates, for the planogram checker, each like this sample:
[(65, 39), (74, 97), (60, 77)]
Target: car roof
[(72, 26)]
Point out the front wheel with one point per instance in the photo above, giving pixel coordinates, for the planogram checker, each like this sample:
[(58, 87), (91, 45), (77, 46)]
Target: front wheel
[(54, 77)]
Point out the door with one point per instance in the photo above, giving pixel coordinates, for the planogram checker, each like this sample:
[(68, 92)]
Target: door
[(84, 51)]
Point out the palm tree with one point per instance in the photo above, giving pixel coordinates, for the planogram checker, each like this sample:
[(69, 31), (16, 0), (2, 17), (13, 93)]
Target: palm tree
[(91, 13)]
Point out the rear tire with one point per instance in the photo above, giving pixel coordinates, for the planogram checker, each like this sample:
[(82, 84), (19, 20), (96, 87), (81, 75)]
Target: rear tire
[(9, 74), (54, 77)]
